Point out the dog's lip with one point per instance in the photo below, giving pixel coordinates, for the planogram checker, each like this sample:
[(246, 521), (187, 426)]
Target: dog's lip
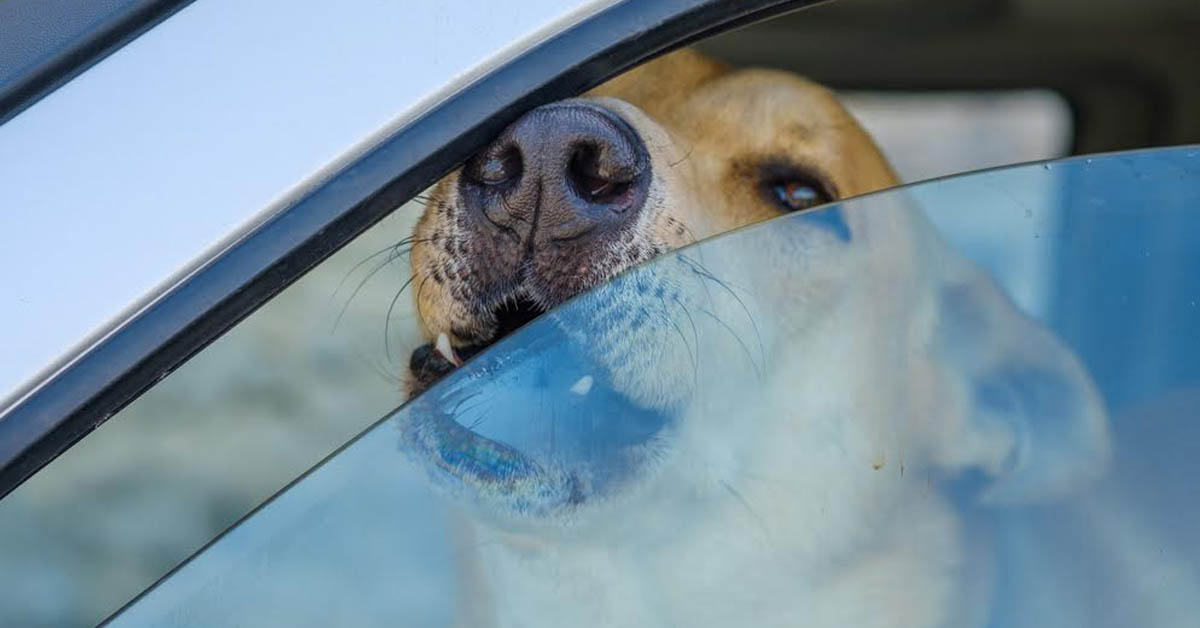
[(501, 475), (430, 362), (531, 427)]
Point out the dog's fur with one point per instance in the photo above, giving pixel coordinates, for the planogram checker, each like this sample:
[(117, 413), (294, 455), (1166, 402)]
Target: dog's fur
[(835, 387)]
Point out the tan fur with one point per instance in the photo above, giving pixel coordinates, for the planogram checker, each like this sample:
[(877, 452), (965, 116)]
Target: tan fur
[(711, 127), (726, 120), (782, 498)]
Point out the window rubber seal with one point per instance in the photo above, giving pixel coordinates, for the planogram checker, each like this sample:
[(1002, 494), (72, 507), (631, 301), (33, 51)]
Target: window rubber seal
[(188, 316), (89, 48)]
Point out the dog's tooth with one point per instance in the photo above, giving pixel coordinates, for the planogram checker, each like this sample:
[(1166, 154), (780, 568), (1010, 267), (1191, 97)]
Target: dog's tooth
[(444, 348), (583, 386)]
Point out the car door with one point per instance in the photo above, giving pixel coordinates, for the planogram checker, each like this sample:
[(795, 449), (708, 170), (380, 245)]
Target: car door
[(282, 345), (190, 175)]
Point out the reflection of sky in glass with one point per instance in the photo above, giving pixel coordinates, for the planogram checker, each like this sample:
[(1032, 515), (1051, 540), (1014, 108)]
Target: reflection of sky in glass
[(1123, 553)]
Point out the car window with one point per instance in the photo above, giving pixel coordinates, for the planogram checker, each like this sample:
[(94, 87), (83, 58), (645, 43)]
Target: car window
[(139, 494), (1041, 449), (329, 357), (187, 459), (46, 43)]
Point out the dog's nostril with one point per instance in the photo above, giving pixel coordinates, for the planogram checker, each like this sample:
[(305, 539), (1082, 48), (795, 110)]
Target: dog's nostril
[(596, 181), (561, 171), (493, 167)]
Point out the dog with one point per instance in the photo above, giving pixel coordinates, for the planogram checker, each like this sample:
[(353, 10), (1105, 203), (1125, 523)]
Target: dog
[(821, 392)]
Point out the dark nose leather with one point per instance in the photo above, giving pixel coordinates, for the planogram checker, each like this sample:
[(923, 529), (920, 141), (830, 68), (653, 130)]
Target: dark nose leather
[(564, 171)]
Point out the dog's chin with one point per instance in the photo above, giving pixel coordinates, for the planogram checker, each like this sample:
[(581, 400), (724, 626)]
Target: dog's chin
[(433, 361), (526, 426)]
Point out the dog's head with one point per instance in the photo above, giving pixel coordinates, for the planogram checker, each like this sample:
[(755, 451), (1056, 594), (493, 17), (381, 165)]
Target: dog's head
[(868, 314), (578, 191)]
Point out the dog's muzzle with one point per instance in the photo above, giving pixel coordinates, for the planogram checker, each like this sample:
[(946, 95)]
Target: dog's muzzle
[(542, 208), (532, 428)]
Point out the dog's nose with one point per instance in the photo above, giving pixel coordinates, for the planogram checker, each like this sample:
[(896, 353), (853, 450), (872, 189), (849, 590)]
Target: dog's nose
[(561, 171)]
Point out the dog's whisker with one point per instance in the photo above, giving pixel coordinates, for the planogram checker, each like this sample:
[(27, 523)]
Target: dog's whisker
[(483, 416), (395, 251), (695, 339), (683, 339), (684, 158), (691, 234), (337, 321), (420, 289), (378, 368), (758, 371), (460, 411), (757, 518), (465, 398), (690, 264), (745, 475), (358, 265), (703, 272), (387, 321)]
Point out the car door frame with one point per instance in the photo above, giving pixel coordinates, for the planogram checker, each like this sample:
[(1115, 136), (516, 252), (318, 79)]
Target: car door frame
[(67, 404)]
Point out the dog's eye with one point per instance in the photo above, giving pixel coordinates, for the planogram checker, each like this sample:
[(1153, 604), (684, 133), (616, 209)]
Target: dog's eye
[(797, 194)]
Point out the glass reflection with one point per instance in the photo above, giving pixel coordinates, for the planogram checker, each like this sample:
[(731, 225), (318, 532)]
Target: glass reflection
[(834, 418)]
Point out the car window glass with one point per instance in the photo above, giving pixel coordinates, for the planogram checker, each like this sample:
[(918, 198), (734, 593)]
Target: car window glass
[(327, 358), (1040, 452), (225, 431)]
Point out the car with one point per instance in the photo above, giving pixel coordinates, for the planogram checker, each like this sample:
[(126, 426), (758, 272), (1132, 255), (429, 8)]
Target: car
[(193, 333)]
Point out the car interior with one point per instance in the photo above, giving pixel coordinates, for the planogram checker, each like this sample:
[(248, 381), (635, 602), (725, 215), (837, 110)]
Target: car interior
[(1126, 70)]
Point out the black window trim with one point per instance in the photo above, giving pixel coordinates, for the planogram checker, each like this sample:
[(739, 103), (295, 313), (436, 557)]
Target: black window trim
[(64, 64), (110, 374)]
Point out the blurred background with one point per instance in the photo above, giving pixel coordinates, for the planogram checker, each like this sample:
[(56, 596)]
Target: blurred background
[(945, 86), (1092, 75)]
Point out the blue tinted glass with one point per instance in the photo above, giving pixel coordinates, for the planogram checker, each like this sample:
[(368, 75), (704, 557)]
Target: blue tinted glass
[(879, 410)]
